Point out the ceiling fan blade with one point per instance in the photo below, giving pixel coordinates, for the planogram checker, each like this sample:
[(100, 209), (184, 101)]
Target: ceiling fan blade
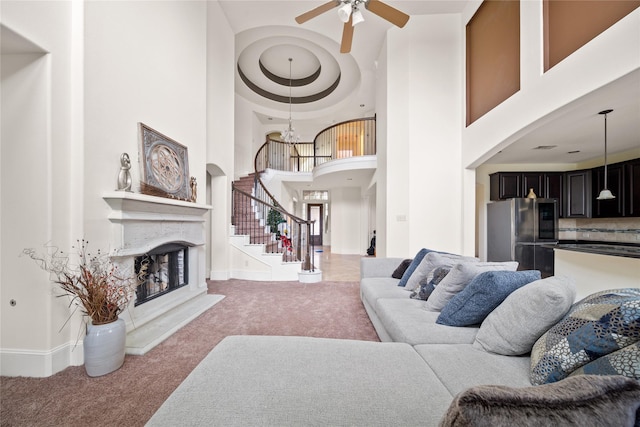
[(347, 37), (387, 12), (317, 11)]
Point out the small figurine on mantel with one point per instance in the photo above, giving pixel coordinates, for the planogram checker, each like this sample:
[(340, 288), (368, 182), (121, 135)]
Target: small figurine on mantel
[(194, 189), (124, 177)]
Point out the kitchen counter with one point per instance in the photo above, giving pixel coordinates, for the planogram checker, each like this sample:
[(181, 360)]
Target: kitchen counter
[(592, 264), (602, 248)]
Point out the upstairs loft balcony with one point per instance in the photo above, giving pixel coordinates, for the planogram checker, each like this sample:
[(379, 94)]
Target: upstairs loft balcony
[(347, 140)]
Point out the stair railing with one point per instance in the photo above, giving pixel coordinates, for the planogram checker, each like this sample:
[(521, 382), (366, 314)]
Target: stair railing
[(260, 215), (268, 224)]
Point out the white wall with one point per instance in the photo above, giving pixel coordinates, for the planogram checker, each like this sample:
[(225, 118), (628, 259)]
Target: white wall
[(347, 208), (135, 73), (109, 66), (220, 117), (39, 204), (420, 198)]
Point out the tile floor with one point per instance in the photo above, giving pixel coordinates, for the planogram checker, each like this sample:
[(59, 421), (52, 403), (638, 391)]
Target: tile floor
[(337, 267)]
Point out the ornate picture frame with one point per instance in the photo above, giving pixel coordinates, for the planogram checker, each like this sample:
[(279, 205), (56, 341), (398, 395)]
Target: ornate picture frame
[(164, 163)]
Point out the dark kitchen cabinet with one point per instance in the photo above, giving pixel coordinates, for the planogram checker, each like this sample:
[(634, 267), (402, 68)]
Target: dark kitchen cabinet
[(532, 180), (509, 185), (577, 191), (577, 194), (553, 184), (505, 185), (632, 188), (615, 182)]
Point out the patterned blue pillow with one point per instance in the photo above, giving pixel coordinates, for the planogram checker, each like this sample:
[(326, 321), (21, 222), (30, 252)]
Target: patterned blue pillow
[(625, 361), (412, 267), (594, 327), (482, 295), (428, 285)]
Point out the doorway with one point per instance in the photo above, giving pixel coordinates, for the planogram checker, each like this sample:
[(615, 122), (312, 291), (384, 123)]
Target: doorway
[(315, 213)]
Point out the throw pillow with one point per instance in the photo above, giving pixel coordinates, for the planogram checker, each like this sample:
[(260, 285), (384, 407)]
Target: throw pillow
[(413, 265), (459, 277), (399, 271), (427, 286), (430, 262), (625, 361), (585, 400), (482, 295), (594, 327), (527, 313)]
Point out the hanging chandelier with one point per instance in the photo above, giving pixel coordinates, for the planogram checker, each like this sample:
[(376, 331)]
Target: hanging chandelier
[(288, 135)]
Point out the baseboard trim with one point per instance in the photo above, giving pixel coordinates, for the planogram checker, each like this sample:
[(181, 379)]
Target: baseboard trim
[(40, 363)]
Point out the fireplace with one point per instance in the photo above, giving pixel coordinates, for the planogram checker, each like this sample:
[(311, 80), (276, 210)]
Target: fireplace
[(164, 269), (170, 235)]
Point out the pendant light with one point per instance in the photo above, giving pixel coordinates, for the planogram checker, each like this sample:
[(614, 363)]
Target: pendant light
[(605, 194), (288, 135)]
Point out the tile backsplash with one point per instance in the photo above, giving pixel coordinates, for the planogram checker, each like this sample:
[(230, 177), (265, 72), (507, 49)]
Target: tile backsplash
[(621, 230)]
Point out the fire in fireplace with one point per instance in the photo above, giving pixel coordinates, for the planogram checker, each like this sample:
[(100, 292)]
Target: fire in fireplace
[(167, 270)]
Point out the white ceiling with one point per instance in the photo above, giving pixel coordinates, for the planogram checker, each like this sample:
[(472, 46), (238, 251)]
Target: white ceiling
[(575, 128)]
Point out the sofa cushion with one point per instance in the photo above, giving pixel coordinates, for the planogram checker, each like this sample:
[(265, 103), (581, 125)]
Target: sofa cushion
[(303, 381), (406, 320), (482, 295), (527, 313), (399, 272), (428, 285), (625, 361), (430, 262), (579, 401), (459, 277), (413, 265), (374, 288), (460, 366), (594, 327)]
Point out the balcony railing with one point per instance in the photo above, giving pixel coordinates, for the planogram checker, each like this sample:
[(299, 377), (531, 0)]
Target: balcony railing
[(347, 139)]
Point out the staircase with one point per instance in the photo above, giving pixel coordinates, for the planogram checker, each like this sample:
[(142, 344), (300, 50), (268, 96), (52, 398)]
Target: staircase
[(247, 219), (258, 251)]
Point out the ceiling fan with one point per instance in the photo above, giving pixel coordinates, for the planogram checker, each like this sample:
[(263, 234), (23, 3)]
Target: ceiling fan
[(350, 13)]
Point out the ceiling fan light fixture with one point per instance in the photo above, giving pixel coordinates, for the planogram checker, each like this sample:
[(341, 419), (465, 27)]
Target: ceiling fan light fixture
[(344, 12), (357, 17)]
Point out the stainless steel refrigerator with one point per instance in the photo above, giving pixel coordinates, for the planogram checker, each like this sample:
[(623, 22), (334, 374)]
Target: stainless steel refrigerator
[(523, 230)]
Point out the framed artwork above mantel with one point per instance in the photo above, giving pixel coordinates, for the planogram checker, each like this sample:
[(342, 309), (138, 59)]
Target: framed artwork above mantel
[(164, 165)]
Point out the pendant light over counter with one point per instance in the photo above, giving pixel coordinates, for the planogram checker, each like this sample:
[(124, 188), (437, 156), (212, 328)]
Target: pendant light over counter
[(605, 194)]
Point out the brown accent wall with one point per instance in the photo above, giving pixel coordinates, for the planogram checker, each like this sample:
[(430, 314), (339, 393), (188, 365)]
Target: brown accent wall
[(493, 56), (570, 24)]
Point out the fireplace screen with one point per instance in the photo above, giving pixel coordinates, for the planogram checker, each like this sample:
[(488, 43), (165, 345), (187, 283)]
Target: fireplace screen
[(167, 269)]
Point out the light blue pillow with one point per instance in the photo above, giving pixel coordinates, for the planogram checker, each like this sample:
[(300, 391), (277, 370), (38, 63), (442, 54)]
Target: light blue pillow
[(482, 295), (412, 267)]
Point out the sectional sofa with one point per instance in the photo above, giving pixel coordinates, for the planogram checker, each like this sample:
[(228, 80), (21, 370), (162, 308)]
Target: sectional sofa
[(518, 355)]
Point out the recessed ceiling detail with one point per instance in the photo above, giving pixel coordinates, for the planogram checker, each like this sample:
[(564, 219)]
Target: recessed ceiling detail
[(285, 80), (263, 68), (285, 98)]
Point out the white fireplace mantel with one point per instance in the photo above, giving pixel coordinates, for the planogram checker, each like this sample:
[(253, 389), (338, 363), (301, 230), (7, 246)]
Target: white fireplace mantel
[(141, 223), (145, 222)]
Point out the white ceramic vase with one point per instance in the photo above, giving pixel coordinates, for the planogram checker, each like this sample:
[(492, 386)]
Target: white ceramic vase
[(104, 347)]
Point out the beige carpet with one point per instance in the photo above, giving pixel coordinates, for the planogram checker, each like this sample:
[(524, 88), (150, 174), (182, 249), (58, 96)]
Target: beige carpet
[(129, 396)]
